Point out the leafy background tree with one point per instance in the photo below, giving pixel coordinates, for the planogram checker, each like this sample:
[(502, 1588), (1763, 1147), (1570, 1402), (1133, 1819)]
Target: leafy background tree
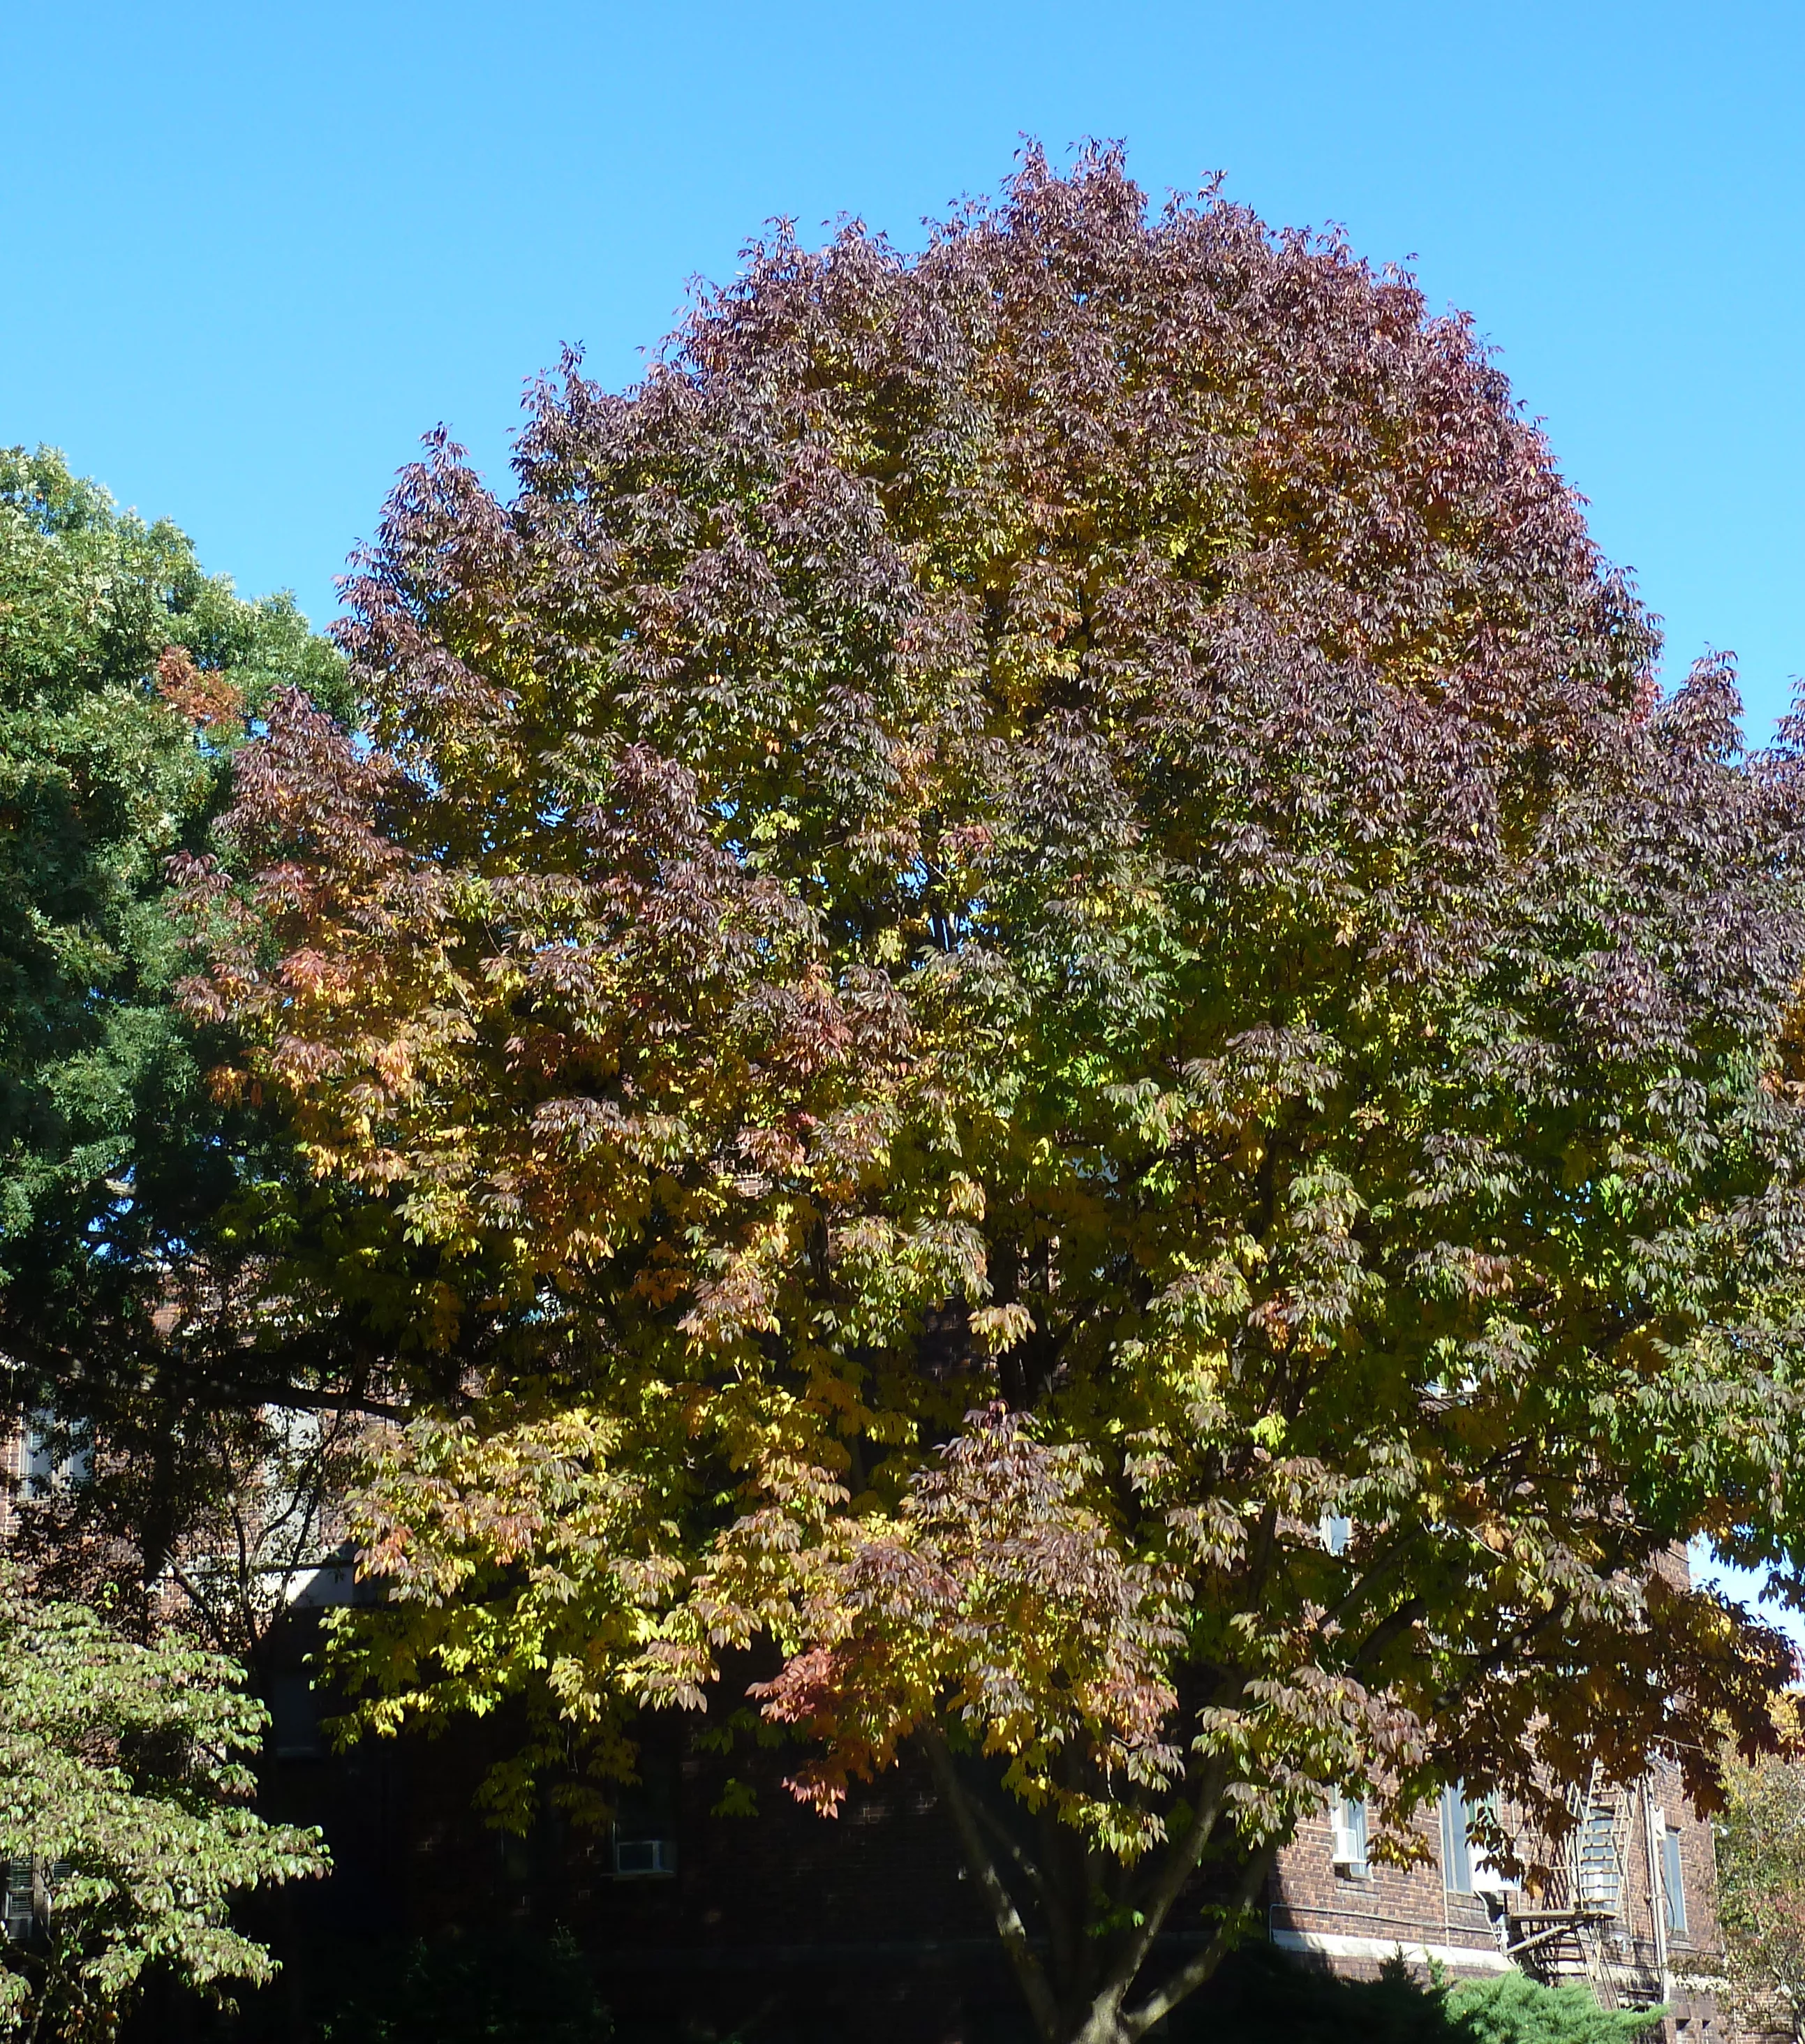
[(129, 1199), (128, 1211), (123, 1786), (1761, 1867), (1027, 926), (126, 677)]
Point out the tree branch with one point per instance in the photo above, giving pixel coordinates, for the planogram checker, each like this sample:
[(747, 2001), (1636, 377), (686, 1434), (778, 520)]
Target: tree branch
[(1028, 1970), (1025, 1863), (1182, 1863), (1188, 1978)]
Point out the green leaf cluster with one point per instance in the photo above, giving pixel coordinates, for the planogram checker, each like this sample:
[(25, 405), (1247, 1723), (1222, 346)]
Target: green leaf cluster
[(124, 1781), (127, 676)]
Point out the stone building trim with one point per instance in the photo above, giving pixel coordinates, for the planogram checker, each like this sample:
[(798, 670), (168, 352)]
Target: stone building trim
[(1341, 1945)]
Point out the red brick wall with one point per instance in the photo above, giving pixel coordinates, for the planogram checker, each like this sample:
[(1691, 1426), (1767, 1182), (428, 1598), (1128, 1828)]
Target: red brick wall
[(1390, 1905)]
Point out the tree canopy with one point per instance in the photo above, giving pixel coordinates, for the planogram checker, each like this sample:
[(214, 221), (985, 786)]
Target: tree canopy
[(1023, 998), (1760, 1865), (125, 675)]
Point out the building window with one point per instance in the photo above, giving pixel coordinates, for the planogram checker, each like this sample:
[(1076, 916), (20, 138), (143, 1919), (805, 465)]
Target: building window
[(1466, 1870), (294, 1722), (1347, 1835), (42, 1469), (1457, 1843), (1672, 1880), (30, 1886), (21, 1910), (645, 1825)]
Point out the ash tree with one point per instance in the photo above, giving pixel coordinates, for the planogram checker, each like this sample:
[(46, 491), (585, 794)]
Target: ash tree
[(1025, 929)]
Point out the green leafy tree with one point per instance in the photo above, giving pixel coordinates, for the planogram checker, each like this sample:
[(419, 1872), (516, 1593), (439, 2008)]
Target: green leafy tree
[(1761, 1868), (1025, 930), (128, 1197), (123, 1783)]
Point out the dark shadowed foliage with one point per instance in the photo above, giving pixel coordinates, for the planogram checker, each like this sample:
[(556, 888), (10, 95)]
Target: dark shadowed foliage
[(485, 1987)]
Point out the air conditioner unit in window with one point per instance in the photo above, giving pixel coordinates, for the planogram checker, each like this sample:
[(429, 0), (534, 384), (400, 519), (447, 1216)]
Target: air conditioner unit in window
[(645, 1821), (1487, 1879), (1347, 1827), (639, 1859)]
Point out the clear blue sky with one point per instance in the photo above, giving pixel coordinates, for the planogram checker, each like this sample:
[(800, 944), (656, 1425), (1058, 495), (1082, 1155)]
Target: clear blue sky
[(252, 251)]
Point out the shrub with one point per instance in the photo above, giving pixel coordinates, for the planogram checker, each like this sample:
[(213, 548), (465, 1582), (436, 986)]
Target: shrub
[(1263, 1996), (506, 1987), (1514, 2010)]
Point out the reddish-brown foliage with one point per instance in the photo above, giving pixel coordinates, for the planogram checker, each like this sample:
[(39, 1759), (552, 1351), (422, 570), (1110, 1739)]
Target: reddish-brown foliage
[(1069, 830)]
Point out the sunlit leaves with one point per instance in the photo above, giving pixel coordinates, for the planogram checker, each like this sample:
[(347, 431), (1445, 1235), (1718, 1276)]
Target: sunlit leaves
[(123, 1778)]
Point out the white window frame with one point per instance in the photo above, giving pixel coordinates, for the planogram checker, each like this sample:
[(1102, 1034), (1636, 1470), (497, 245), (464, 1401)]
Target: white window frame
[(1347, 1835), (1466, 1869)]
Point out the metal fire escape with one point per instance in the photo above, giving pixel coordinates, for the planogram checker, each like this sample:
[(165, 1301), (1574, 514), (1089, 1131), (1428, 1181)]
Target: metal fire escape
[(1565, 1936)]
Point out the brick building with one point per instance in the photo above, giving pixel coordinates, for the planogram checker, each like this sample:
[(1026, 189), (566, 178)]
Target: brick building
[(868, 1923), (1632, 1910)]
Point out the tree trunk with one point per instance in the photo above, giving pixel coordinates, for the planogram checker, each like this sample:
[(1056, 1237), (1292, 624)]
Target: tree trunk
[(1075, 1994), (1103, 2026)]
